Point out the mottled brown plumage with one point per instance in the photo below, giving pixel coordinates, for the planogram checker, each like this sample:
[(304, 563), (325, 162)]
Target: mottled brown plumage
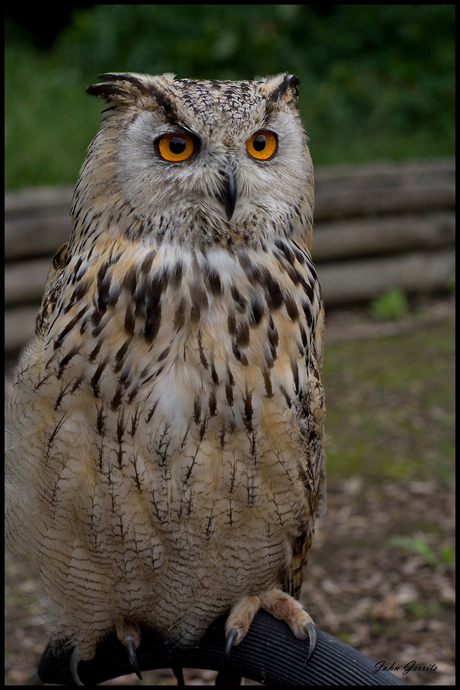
[(165, 463)]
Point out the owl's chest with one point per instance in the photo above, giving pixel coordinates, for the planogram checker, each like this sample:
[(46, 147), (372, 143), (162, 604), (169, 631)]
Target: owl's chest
[(196, 462), (190, 386), (172, 326)]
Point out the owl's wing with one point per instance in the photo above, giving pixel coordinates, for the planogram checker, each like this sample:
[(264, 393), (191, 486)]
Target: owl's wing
[(312, 419), (52, 290)]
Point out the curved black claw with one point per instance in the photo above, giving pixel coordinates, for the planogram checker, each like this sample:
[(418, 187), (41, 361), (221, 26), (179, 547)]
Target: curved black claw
[(131, 649), (230, 641), (225, 676), (310, 628), (74, 661), (177, 670)]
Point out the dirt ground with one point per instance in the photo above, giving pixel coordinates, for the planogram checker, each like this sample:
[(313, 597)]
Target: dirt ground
[(380, 575)]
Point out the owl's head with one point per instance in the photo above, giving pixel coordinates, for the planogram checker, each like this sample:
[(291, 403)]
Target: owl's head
[(201, 162)]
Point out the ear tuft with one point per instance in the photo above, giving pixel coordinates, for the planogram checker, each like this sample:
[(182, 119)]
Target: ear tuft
[(294, 82), (119, 87), (282, 86)]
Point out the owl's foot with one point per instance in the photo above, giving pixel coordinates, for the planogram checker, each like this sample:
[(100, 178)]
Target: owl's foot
[(286, 608), (239, 620), (280, 605), (129, 634), (236, 627)]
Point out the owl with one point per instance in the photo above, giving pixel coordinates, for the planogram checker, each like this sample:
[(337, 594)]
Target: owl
[(165, 457)]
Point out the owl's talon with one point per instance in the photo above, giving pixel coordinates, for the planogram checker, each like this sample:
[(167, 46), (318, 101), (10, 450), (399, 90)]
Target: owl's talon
[(225, 675), (310, 629), (130, 645), (74, 661), (232, 636), (177, 670)]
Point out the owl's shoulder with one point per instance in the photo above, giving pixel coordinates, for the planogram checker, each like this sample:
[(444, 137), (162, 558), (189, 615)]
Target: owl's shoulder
[(52, 290)]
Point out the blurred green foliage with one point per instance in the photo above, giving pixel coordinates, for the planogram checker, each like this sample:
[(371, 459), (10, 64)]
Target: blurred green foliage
[(419, 545), (377, 81), (391, 304)]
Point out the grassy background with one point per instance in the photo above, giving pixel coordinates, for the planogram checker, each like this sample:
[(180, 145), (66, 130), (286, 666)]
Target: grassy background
[(391, 407), (377, 81)]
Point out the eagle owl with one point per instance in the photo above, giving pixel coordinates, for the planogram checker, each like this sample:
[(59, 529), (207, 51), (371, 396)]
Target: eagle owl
[(165, 461)]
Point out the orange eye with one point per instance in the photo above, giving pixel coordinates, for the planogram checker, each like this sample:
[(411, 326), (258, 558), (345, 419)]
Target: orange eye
[(175, 147), (262, 145)]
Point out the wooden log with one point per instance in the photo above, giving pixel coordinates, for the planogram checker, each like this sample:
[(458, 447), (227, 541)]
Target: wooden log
[(19, 327), (25, 281), (360, 281), (388, 173), (37, 221), (34, 200), (382, 235), (384, 188), (38, 236)]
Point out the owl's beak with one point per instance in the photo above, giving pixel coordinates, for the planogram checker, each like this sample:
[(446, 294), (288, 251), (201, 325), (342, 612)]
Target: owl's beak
[(227, 193)]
